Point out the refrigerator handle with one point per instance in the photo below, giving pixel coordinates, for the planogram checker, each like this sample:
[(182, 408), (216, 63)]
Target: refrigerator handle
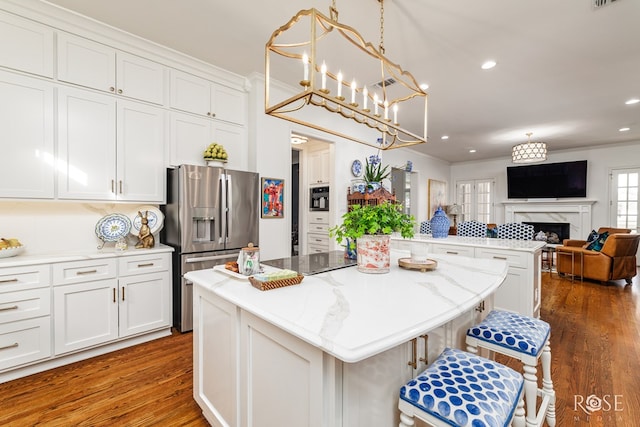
[(221, 223), (229, 209)]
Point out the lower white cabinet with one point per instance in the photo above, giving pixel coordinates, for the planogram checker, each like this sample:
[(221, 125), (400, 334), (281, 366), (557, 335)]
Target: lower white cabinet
[(24, 341)]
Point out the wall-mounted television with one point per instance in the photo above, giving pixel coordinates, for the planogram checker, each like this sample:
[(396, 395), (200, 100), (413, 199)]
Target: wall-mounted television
[(550, 180)]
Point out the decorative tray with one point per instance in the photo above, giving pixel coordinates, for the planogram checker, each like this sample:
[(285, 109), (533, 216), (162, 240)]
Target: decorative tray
[(112, 227), (423, 266), (273, 284)]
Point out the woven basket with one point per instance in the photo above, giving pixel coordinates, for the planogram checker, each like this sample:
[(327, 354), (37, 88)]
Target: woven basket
[(273, 284)]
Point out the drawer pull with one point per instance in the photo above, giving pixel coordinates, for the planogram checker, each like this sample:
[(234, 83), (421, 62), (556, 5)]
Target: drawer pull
[(6, 347), (114, 294), (8, 281), (425, 359), (504, 258), (452, 253), (123, 293), (148, 264), (80, 273), (15, 307), (414, 354)]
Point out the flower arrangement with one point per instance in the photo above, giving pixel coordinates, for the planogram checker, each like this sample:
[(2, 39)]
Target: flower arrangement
[(374, 171), (384, 218)]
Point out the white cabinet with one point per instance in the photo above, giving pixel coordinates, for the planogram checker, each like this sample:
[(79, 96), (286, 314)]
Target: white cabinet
[(25, 315), (108, 149), (97, 66), (26, 120), (319, 167), (318, 232), (191, 135), (25, 45), (97, 301), (216, 339), (144, 293), (206, 98)]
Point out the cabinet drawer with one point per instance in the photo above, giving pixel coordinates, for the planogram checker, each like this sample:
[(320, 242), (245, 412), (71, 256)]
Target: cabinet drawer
[(318, 239), (141, 264), (513, 258), (319, 217), (20, 278), (83, 271), (452, 250), (26, 304), (319, 228), (24, 341), (315, 249)]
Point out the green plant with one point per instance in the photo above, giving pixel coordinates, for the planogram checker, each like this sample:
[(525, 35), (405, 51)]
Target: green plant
[(384, 218), (373, 171)]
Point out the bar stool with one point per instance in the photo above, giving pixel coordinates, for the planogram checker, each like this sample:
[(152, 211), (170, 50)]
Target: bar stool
[(526, 339), (463, 389)]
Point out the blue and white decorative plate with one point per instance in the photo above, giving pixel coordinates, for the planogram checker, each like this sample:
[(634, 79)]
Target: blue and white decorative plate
[(155, 219), (356, 168), (112, 227)]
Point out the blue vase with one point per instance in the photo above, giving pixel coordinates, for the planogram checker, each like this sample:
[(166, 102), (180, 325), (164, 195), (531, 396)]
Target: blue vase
[(439, 224)]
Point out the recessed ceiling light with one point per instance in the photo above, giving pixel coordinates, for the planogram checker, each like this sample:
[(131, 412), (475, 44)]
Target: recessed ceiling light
[(473, 150), (444, 137), (624, 129), (632, 101), (424, 86), (488, 65)]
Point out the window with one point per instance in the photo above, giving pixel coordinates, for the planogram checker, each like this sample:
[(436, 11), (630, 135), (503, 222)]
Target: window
[(624, 203), (476, 199)]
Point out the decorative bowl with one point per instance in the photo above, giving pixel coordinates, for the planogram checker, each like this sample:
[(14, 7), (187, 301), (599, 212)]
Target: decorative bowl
[(12, 251)]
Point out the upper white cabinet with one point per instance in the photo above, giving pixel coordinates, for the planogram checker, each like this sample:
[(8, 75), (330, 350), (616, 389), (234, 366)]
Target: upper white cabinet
[(91, 64), (26, 45), (203, 97), (26, 120), (190, 135), (109, 149), (319, 167)]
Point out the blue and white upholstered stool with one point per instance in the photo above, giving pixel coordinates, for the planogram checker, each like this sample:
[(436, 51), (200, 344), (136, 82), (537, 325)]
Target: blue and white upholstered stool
[(526, 339), (463, 389)]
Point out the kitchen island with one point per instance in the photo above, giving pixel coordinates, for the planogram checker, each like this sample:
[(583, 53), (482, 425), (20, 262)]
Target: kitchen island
[(333, 350)]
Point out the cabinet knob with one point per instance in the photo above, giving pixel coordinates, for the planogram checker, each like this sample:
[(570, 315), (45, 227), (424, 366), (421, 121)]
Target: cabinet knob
[(112, 89), (120, 91)]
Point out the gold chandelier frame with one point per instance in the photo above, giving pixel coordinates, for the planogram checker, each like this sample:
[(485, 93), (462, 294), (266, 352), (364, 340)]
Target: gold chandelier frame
[(391, 133)]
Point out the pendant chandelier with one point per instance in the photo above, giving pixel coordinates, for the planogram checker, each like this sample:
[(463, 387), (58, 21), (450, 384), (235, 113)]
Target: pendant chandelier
[(341, 75), (529, 152)]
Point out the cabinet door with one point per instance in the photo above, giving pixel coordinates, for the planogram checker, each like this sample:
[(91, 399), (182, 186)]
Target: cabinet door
[(513, 294), (190, 93), (215, 358), (25, 45), (144, 303), (234, 140), (140, 152), (318, 167), (190, 135), (85, 314), (139, 78), (86, 63), (298, 375), (228, 104), (26, 120), (86, 145)]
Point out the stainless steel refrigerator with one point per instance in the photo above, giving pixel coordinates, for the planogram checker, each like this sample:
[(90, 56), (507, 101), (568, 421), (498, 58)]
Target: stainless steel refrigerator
[(211, 213)]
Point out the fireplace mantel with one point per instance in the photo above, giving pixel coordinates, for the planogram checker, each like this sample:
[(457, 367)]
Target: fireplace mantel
[(576, 212)]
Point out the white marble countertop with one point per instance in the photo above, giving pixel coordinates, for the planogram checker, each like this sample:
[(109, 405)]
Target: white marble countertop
[(61, 256), (353, 315), (514, 244)]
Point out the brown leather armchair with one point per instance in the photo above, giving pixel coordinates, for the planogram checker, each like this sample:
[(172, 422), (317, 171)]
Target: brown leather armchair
[(616, 260)]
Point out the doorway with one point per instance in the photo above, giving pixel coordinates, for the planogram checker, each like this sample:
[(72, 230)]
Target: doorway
[(295, 201)]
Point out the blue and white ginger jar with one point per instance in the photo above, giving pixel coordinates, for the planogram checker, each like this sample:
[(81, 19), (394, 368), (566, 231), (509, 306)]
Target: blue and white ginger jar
[(439, 224)]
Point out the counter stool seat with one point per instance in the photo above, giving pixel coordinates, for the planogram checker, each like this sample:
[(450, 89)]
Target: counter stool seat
[(463, 389), (526, 339)]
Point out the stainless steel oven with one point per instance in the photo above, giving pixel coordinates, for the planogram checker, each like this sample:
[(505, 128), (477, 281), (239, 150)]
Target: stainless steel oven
[(319, 198)]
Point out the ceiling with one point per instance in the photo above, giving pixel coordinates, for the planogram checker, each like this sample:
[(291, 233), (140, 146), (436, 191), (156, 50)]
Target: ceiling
[(564, 68)]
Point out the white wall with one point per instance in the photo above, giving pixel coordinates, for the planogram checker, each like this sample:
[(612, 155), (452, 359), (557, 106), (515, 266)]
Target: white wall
[(600, 161)]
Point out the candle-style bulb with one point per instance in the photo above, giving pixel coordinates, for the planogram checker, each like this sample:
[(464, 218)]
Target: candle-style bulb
[(305, 62), (395, 113), (323, 71), (386, 110), (365, 95), (353, 91), (375, 103), (339, 77)]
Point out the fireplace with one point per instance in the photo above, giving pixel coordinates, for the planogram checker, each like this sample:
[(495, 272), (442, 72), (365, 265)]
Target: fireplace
[(556, 232), (577, 213)]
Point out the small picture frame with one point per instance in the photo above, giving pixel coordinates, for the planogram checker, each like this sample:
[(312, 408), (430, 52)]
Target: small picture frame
[(272, 204)]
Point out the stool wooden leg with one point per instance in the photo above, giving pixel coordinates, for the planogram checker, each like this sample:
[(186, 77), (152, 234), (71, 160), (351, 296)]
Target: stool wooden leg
[(530, 394), (547, 384), (518, 416), (406, 420)]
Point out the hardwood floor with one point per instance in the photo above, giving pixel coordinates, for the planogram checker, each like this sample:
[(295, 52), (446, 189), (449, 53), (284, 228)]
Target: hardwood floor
[(595, 349)]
